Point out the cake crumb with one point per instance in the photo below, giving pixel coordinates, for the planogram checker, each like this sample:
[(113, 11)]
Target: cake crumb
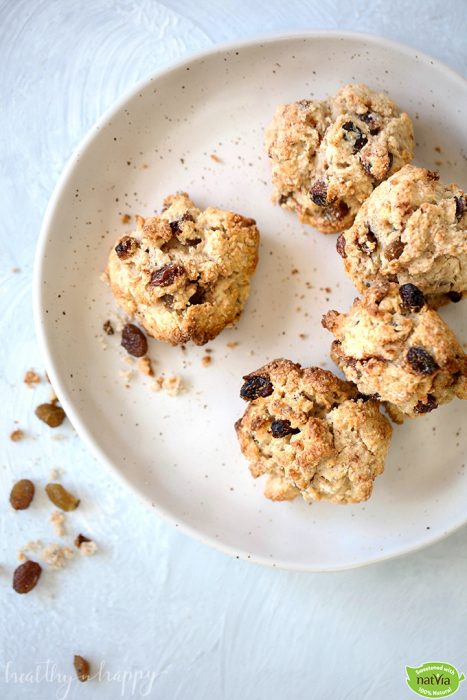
[(56, 556), (31, 378), (31, 546), (215, 158), (16, 435), (55, 474), (206, 360), (295, 271), (437, 149), (15, 270), (104, 277), (125, 218), (232, 344), (303, 336), (87, 548), (439, 163), (58, 521), (171, 385), (139, 222), (145, 366), (126, 374)]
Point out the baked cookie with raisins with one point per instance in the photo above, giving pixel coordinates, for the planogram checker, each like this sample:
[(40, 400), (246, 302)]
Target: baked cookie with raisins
[(327, 156), (412, 228), (311, 434), (397, 349), (185, 274)]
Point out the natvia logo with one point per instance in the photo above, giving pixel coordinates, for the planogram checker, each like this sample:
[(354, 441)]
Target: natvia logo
[(434, 680)]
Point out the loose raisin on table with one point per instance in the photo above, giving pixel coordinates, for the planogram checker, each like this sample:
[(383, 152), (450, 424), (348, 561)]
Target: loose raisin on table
[(256, 387), (425, 407), (165, 276), (421, 361), (318, 193), (281, 428), (51, 414), (134, 341), (455, 296), (82, 668), (26, 576), (412, 297), (22, 494), (340, 246), (61, 498)]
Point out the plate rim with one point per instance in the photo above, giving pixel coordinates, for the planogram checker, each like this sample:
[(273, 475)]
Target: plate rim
[(37, 277)]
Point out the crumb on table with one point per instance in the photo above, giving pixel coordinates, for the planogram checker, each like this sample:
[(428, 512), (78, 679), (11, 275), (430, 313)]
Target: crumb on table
[(206, 360), (145, 366), (58, 521), (31, 377), (16, 435)]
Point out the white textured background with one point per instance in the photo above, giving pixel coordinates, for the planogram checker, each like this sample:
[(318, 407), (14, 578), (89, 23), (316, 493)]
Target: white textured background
[(152, 602)]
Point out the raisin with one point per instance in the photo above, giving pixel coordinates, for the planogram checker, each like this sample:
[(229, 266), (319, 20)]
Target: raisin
[(390, 160), (340, 246), (338, 211), (165, 276), (460, 206), (167, 300), (26, 576), (175, 225), (281, 428), (412, 297), (360, 139), (134, 341), (455, 296), (79, 539), (198, 297), (428, 406), (193, 241), (108, 328), (318, 193), (22, 494), (394, 250), (370, 239), (421, 361), (51, 414), (369, 119), (432, 175), (283, 199), (256, 387), (126, 247), (61, 498), (82, 668)]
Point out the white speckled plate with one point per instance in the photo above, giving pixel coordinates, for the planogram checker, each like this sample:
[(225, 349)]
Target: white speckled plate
[(180, 453)]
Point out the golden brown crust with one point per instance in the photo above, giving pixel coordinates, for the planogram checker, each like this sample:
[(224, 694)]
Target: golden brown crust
[(328, 156), (185, 274), (311, 434), (405, 356), (412, 228)]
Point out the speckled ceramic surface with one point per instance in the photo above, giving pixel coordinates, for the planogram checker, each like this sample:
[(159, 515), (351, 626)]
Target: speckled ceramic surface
[(180, 453)]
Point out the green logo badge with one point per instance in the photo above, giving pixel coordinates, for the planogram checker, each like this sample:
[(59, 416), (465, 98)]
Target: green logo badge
[(434, 680)]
